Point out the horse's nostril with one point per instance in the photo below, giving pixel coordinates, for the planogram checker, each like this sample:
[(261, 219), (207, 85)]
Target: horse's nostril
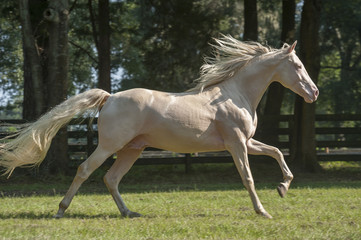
[(316, 93)]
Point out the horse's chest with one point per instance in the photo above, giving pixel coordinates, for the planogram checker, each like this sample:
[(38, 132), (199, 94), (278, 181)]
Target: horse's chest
[(239, 119)]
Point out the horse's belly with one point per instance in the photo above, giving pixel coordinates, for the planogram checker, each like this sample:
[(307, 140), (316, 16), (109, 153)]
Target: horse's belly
[(185, 142)]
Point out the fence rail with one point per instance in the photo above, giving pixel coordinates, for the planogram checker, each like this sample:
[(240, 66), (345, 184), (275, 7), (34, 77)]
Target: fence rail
[(338, 138)]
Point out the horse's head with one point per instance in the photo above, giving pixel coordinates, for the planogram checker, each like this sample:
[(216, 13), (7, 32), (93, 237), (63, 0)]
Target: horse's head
[(293, 75)]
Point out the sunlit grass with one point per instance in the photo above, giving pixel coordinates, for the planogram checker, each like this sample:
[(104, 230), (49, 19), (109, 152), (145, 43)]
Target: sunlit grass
[(306, 213), (189, 206)]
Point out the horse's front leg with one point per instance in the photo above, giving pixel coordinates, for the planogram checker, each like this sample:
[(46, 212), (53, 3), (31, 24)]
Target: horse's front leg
[(239, 154), (257, 148)]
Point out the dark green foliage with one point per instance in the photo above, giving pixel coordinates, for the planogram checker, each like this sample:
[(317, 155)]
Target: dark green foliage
[(160, 45), (171, 40), (341, 56), (10, 55)]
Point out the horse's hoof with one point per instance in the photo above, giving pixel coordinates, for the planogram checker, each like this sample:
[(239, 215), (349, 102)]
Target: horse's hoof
[(131, 214), (58, 216), (265, 214), (282, 190), (134, 215)]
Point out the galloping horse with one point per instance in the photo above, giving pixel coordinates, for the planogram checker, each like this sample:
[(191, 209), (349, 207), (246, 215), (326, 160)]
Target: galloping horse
[(218, 114)]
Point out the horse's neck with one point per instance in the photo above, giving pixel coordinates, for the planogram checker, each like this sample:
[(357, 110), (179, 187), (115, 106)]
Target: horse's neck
[(252, 82)]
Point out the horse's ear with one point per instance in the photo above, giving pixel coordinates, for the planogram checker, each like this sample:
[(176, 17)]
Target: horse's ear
[(291, 48)]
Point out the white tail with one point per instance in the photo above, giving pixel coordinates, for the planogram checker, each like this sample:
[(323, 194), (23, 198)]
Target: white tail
[(33, 141)]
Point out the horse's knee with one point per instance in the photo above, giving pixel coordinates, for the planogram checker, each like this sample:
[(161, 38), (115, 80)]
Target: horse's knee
[(277, 152), (248, 182)]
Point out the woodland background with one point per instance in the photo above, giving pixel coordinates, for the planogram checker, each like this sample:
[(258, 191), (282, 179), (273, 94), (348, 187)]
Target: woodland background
[(52, 49)]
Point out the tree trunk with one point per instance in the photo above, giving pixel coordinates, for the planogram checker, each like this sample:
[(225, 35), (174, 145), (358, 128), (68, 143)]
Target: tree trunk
[(104, 46), (57, 19), (33, 72), (304, 152), (276, 91), (101, 36), (250, 20), (29, 103), (46, 67)]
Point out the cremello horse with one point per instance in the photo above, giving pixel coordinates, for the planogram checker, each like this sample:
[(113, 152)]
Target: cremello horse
[(218, 114)]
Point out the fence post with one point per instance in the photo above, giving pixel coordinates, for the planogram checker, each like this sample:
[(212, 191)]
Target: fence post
[(187, 162), (292, 137)]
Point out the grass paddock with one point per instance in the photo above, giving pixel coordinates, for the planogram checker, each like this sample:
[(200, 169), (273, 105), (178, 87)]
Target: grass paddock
[(208, 203)]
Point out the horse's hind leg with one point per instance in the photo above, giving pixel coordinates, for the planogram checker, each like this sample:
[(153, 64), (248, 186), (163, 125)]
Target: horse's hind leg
[(125, 160), (84, 171), (257, 148)]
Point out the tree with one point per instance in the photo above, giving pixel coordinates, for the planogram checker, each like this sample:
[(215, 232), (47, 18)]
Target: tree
[(83, 59), (11, 61), (160, 44), (46, 65), (166, 50), (275, 92), (341, 55), (250, 20), (101, 34), (304, 144), (33, 66)]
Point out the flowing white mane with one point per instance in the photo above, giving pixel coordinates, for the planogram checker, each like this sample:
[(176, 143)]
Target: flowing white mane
[(229, 55)]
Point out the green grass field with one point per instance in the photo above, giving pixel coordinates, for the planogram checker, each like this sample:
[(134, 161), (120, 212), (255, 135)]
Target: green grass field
[(209, 203)]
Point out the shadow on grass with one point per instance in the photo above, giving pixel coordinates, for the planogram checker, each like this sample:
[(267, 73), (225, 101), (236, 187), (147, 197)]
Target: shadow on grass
[(33, 215), (169, 179), (203, 177), (49, 216)]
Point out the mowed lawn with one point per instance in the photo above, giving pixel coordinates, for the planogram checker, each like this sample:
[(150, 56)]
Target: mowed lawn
[(208, 203)]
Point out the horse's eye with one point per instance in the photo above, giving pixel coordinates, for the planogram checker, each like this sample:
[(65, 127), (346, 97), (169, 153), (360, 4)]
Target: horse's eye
[(298, 66)]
